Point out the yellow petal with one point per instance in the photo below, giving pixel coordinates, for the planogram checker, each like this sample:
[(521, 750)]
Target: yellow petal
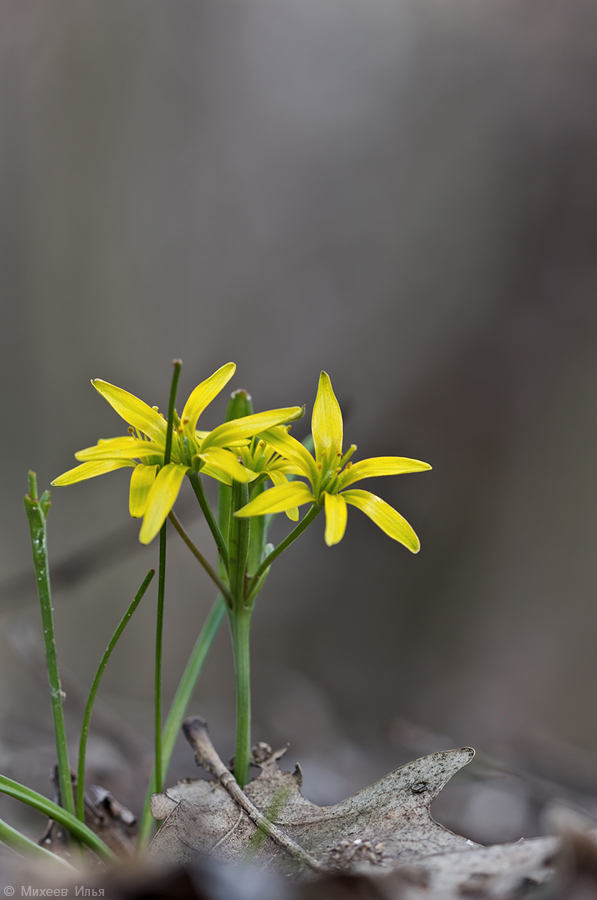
[(90, 470), (161, 499), (335, 518), (238, 429), (385, 517), (326, 424), (120, 448), (380, 465), (203, 394), (292, 450), (134, 411), (142, 479), (278, 499), (218, 458), (278, 477), (218, 474)]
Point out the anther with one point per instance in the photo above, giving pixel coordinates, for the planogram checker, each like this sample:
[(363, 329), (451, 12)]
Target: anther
[(130, 429), (185, 420)]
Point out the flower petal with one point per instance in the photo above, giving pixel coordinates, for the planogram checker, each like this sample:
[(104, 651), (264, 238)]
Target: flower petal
[(119, 448), (161, 499), (380, 465), (278, 499), (385, 517), (238, 429), (142, 479), (292, 450), (203, 394), (278, 477), (335, 518), (326, 423), (90, 470), (218, 474), (134, 411), (218, 458)]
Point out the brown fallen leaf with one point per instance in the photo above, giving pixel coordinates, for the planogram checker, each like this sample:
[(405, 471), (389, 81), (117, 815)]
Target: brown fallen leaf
[(379, 828)]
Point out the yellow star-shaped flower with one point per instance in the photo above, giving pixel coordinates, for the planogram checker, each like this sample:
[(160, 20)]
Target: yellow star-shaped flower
[(330, 473), (154, 486)]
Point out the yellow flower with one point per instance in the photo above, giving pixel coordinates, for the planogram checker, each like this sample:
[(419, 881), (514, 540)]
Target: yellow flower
[(330, 473), (154, 486)]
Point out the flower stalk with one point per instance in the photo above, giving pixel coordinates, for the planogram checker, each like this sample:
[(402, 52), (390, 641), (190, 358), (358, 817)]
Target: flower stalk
[(159, 630)]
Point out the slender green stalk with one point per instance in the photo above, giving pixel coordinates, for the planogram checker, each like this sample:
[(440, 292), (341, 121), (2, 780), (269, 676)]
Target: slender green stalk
[(238, 543), (304, 523), (259, 527), (77, 829), (206, 509), (159, 628), (177, 363), (240, 624), (94, 687), (179, 707), (200, 557), (37, 511), (29, 849)]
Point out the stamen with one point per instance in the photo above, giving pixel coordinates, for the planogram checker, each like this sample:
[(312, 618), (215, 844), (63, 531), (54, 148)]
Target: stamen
[(347, 455)]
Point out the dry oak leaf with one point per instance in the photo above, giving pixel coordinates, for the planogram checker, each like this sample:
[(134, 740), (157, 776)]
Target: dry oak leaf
[(382, 826)]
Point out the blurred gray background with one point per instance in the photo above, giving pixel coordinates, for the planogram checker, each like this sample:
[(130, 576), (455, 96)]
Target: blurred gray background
[(402, 192)]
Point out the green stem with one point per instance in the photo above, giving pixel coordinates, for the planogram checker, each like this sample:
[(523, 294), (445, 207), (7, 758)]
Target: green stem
[(37, 511), (77, 829), (179, 707), (159, 640), (197, 484), (240, 623), (199, 556), (28, 848), (177, 363), (238, 543), (94, 687), (304, 523), (159, 627)]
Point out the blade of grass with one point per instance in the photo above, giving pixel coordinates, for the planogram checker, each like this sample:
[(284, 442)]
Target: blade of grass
[(76, 828), (94, 687), (37, 511), (29, 849)]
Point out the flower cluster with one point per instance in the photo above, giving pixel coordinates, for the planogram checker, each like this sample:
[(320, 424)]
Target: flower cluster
[(250, 449)]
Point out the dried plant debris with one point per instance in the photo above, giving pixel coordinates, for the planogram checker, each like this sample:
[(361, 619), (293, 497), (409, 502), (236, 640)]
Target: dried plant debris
[(380, 827)]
